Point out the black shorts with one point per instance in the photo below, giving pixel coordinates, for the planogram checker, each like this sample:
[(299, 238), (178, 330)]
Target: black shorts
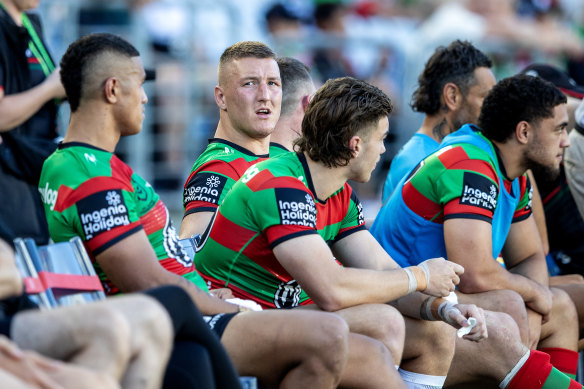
[(218, 322)]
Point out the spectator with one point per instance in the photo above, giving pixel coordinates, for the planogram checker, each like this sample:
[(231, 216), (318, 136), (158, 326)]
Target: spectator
[(29, 90)]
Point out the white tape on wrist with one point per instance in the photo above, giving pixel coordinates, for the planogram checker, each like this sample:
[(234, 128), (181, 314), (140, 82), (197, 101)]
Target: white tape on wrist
[(426, 270), (412, 282)]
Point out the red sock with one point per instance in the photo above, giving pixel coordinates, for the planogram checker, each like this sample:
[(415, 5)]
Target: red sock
[(563, 359), (533, 373)]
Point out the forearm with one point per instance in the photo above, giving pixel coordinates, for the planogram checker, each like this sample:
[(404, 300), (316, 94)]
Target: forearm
[(533, 268), (17, 108), (360, 286), (207, 303), (498, 278)]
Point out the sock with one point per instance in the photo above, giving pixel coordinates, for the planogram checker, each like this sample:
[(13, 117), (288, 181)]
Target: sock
[(421, 381), (563, 359), (538, 373)]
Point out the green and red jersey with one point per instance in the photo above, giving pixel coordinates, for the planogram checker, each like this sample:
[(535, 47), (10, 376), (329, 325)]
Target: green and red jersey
[(465, 178), (90, 193), (214, 173), (460, 181), (274, 201)]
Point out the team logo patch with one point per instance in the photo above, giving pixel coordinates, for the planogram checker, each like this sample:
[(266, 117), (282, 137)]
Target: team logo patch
[(102, 211), (204, 187), (287, 295), (478, 191), (296, 207)]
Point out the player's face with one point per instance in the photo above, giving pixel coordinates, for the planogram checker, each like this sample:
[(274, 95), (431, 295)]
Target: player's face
[(545, 152), (473, 101), (134, 97), (252, 95), (369, 154)]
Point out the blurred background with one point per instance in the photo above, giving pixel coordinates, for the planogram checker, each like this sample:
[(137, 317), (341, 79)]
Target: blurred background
[(383, 41)]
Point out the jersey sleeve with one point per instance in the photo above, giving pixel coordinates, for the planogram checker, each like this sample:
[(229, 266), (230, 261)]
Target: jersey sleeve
[(283, 213), (101, 211), (524, 210), (468, 190), (206, 187), (354, 220)]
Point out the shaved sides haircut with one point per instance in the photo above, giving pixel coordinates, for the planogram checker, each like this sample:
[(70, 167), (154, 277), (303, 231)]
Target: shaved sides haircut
[(295, 80), (244, 49), (80, 64)]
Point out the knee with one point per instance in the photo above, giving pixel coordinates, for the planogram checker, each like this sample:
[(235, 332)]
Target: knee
[(110, 330), (390, 329), (332, 347), (154, 327), (563, 308), (439, 337), (503, 332)]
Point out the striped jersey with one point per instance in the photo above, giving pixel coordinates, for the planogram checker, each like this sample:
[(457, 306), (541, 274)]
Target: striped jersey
[(214, 173), (90, 193), (273, 202)]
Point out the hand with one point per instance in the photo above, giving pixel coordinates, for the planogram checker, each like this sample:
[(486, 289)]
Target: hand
[(222, 293), (27, 366), (458, 315), (441, 276), (54, 82), (541, 301)]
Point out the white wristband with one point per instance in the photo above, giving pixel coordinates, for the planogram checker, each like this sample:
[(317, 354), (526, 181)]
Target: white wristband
[(412, 282)]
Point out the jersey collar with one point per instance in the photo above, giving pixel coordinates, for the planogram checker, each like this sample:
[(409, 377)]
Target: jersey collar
[(237, 147)]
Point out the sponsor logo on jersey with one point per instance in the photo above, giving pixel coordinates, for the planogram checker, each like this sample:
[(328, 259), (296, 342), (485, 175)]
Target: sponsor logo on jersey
[(204, 187), (49, 196), (296, 207), (287, 295), (478, 191), (102, 211)]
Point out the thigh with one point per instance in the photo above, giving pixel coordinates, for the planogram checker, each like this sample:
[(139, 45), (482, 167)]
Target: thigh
[(267, 343)]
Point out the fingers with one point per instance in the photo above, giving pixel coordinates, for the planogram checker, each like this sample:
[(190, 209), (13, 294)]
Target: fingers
[(10, 349), (459, 270)]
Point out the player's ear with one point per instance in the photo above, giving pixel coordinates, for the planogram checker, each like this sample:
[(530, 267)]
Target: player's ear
[(355, 144), (220, 98), (451, 96), (112, 90), (523, 132)]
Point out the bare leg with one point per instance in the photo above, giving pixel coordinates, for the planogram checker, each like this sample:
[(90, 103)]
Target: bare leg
[(485, 364), (378, 321), (561, 330), (127, 338), (506, 301), (429, 347), (576, 293), (288, 349)]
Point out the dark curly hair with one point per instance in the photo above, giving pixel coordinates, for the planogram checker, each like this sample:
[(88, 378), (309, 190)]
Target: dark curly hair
[(340, 109), (455, 63), (78, 61), (515, 99)]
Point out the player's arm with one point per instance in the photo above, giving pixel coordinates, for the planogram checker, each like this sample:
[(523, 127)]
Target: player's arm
[(195, 223), (361, 250), (132, 266), (469, 243), (332, 287), (17, 108)]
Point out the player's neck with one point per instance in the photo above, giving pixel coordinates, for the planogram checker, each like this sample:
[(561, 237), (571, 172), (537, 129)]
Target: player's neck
[(436, 127), (258, 146), (326, 180), (512, 159), (92, 129), (284, 134), (13, 11)]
